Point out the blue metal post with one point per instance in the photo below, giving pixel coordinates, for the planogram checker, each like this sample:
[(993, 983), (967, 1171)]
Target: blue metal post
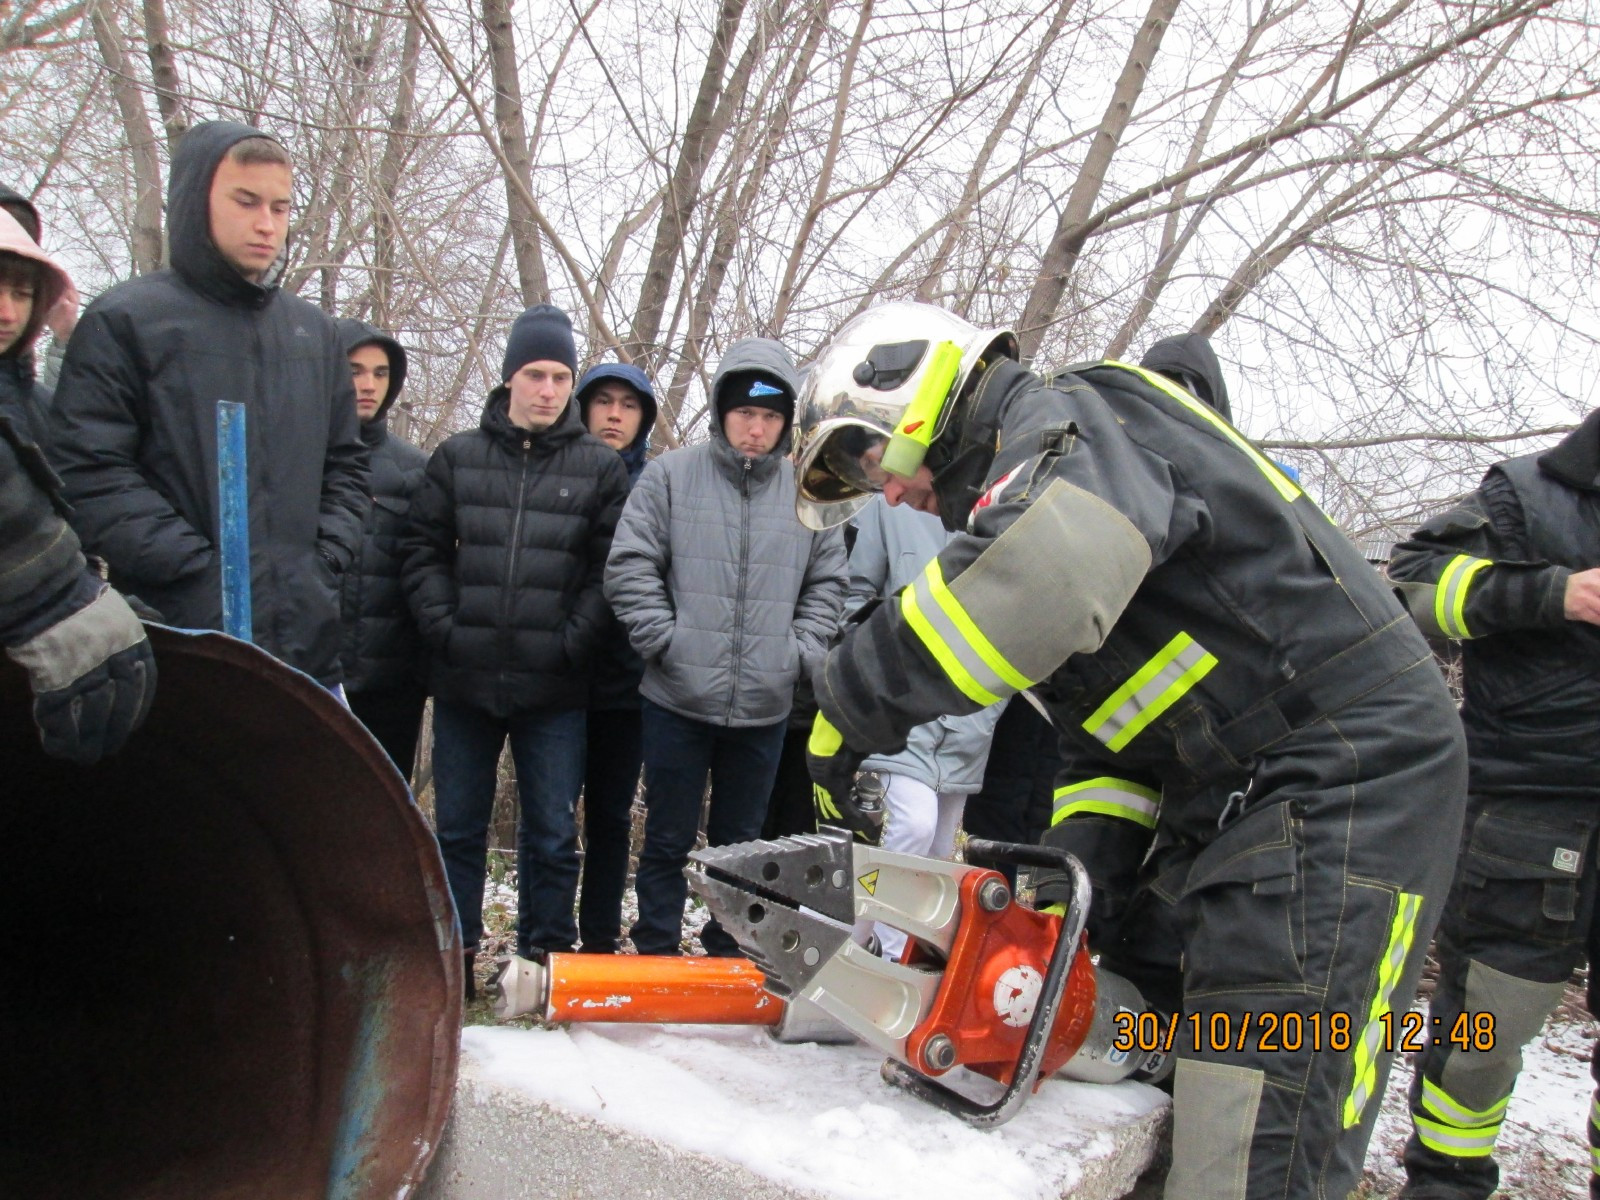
[(233, 489)]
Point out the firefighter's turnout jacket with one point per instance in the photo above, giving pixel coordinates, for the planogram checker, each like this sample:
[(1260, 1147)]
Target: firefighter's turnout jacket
[(1256, 699), (1492, 573)]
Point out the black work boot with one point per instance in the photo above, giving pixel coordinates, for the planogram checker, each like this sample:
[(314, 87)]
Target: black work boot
[(469, 979)]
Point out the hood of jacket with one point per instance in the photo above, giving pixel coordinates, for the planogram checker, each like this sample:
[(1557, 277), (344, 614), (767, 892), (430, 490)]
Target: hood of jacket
[(770, 358), (1575, 460), (353, 334), (496, 422), (195, 256), (1189, 360), (633, 455), (57, 293), (10, 195)]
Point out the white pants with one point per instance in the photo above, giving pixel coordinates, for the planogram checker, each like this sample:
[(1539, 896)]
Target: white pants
[(917, 820)]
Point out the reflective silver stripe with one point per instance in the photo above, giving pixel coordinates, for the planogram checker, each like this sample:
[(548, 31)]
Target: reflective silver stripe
[(1450, 1110), (1154, 688), (947, 642), (1111, 797), (1457, 1143)]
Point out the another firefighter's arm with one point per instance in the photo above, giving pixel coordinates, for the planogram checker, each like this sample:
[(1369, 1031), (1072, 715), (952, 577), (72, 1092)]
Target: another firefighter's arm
[(1469, 572), (1044, 574), (1106, 817)]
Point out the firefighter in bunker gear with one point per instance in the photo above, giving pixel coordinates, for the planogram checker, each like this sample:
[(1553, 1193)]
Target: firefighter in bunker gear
[(1278, 753), (1511, 572)]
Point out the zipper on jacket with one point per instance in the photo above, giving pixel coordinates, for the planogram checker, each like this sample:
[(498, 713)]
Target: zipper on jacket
[(744, 573), (511, 558)]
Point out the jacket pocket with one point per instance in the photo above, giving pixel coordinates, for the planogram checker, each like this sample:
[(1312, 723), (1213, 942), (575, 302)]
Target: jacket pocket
[(1521, 875), (1243, 908)]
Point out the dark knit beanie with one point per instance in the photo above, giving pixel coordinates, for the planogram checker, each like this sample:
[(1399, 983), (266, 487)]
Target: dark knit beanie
[(754, 389), (542, 334)]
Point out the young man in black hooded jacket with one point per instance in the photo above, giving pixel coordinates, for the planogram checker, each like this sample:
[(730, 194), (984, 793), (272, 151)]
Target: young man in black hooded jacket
[(135, 414), (503, 564), (382, 653)]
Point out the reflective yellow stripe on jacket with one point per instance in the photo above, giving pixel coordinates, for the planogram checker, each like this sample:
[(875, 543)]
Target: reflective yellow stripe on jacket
[(1450, 596), (1109, 797), (1154, 688), (957, 644)]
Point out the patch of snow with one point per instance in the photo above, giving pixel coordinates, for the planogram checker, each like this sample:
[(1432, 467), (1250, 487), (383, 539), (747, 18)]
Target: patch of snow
[(817, 1117)]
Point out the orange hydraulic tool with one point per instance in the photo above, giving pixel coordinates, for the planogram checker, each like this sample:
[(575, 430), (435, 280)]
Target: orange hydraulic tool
[(636, 988)]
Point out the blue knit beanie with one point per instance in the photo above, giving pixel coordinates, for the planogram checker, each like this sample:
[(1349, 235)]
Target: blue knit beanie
[(542, 334)]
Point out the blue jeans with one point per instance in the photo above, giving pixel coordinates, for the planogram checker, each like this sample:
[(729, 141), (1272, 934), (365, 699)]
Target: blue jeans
[(678, 755), (547, 747)]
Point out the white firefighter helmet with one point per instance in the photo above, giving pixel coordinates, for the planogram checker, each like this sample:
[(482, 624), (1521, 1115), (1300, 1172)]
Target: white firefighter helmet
[(877, 396)]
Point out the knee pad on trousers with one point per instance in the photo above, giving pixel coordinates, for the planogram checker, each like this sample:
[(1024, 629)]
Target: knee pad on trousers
[(1482, 1078), (1214, 1111)]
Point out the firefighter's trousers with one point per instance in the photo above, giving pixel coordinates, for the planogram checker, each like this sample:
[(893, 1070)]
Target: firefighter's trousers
[(1520, 917), (1288, 943)]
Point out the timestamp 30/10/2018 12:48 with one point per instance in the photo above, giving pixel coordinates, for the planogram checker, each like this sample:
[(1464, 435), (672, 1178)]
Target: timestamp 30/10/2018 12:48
[(1292, 1032)]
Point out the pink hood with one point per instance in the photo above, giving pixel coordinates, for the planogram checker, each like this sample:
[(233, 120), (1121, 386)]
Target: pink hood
[(58, 306)]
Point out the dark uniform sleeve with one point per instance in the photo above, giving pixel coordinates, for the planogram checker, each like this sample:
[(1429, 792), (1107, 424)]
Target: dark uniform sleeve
[(1074, 516), (1106, 817), (94, 439), (345, 469), (428, 552), (1468, 572), (41, 565)]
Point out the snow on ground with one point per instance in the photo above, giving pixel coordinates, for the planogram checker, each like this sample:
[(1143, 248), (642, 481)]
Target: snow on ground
[(1543, 1149), (817, 1117)]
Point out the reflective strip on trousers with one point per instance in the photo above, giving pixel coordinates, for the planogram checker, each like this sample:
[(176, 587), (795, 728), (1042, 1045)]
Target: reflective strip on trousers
[(1402, 933), (1458, 1131), (1109, 797), (957, 644), (1450, 596), (1154, 688)]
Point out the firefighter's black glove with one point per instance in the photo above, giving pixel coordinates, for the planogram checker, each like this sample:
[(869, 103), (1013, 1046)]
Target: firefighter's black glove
[(93, 678), (833, 766)]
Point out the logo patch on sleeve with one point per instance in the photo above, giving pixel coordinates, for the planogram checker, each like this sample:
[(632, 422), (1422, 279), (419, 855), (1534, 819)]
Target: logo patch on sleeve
[(996, 489)]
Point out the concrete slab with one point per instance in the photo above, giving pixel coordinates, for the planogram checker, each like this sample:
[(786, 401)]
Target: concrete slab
[(729, 1114)]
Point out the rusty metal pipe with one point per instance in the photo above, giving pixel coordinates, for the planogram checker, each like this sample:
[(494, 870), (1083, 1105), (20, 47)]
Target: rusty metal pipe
[(641, 988), (274, 1002)]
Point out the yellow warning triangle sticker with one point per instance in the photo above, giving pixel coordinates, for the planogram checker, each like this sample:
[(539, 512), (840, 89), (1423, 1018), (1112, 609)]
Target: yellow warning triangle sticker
[(870, 883)]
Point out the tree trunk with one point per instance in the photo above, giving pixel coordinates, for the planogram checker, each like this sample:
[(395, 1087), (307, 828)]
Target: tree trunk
[(146, 232), (164, 71), (1061, 256), (683, 192), (395, 152), (513, 135)]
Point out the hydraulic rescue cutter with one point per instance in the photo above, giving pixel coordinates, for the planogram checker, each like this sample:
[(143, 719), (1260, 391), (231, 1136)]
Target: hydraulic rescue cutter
[(984, 983)]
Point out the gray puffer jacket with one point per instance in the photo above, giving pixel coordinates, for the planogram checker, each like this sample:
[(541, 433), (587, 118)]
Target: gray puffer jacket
[(724, 594), (893, 546)]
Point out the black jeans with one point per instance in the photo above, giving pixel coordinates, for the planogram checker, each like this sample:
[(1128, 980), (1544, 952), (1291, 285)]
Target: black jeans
[(678, 755), (394, 717), (611, 777)]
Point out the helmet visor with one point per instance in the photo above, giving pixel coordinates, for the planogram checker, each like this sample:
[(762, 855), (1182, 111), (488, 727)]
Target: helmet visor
[(843, 461)]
